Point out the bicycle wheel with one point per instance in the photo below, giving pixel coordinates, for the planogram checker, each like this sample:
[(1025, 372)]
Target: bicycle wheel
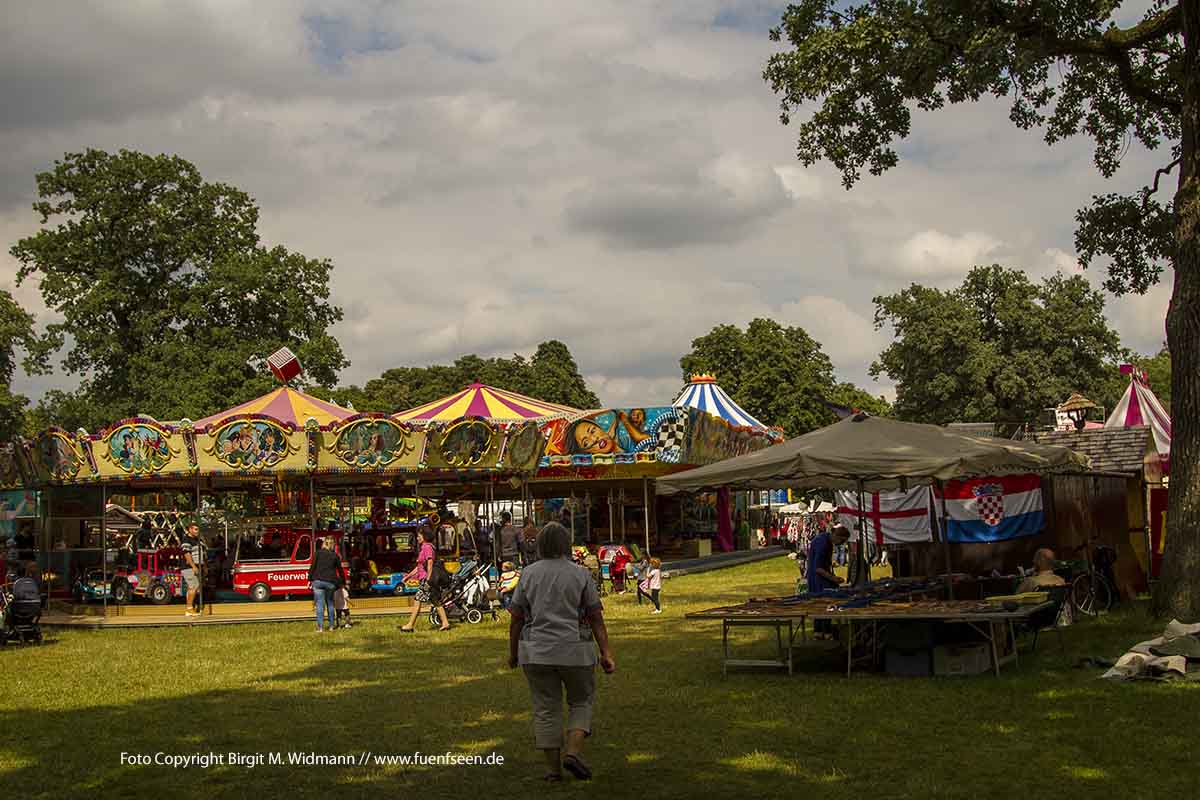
[(1084, 595)]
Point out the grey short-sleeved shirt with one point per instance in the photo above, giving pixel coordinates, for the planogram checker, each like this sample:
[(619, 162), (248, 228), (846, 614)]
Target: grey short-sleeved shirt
[(554, 595)]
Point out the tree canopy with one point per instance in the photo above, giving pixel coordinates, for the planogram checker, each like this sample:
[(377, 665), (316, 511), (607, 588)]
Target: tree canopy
[(165, 291), (16, 333), (999, 348), (1068, 67), (778, 374), (550, 375)]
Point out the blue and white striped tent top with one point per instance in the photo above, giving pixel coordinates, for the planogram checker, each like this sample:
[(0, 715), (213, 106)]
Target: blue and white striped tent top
[(704, 393)]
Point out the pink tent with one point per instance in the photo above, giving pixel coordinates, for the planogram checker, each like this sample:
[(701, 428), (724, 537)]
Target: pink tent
[(1139, 407)]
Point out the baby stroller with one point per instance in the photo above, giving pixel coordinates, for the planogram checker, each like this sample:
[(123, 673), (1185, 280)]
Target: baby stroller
[(467, 596), (20, 620)]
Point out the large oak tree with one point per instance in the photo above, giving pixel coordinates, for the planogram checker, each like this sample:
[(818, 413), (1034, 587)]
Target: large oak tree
[(165, 291), (1069, 68)]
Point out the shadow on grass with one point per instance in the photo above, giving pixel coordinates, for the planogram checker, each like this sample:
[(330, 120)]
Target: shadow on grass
[(667, 725)]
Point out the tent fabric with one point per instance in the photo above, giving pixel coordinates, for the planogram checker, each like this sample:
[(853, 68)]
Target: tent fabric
[(704, 393), (1139, 407), (287, 405), (878, 452), (479, 400)]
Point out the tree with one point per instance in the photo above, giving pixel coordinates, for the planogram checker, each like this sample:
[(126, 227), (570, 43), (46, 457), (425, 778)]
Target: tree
[(1069, 69), (16, 332), (554, 377), (778, 374), (165, 291), (997, 349), (551, 375), (852, 397)]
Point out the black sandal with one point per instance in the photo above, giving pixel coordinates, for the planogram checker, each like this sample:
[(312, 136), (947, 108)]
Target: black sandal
[(574, 765)]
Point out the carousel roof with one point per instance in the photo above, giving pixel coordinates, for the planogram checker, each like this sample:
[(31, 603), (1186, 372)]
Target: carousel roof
[(287, 405), (704, 393), (478, 400), (1139, 407)]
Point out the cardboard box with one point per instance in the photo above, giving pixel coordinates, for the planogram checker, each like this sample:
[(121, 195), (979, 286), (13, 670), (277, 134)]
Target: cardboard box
[(961, 659)]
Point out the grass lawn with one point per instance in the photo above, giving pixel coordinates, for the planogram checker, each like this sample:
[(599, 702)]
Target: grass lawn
[(667, 724)]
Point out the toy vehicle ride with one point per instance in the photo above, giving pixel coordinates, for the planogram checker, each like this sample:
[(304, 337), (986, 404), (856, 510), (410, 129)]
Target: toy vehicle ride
[(157, 576), (261, 575), (393, 583)]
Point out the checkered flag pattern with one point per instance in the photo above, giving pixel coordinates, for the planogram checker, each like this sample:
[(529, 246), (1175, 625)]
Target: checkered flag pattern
[(670, 438), (991, 508)]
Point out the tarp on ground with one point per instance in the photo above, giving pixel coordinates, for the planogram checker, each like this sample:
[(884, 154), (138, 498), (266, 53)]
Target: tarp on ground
[(881, 453)]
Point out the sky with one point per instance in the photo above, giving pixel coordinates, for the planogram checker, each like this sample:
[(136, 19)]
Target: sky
[(486, 176)]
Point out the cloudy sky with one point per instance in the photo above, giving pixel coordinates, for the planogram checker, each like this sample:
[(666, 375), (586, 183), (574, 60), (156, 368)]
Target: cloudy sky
[(487, 176)]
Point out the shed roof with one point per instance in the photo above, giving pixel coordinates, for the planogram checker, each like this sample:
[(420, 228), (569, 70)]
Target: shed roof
[(1110, 449)]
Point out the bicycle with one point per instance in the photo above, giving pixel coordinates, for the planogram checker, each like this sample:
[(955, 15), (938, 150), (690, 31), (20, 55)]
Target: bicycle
[(1093, 590)]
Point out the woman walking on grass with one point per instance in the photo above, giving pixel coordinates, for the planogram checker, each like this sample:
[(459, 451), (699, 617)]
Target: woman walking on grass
[(426, 595), (557, 624), (325, 575)]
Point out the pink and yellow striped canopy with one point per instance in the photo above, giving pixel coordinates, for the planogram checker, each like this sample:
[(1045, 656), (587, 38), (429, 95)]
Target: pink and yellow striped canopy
[(478, 400), (286, 405)]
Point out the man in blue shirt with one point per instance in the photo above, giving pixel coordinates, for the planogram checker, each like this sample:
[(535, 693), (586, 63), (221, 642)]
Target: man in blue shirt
[(820, 559)]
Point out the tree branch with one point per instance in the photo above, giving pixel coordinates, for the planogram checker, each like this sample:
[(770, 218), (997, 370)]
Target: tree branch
[(1158, 173), (1112, 46)]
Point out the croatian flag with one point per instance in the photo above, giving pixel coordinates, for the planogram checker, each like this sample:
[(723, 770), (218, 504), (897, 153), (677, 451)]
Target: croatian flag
[(994, 509), (892, 517)]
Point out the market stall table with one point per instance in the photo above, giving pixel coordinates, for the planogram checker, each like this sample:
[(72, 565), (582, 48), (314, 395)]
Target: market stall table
[(988, 620)]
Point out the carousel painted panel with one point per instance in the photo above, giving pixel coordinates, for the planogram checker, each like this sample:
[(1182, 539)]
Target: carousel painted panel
[(709, 439), (467, 444), (626, 435), (523, 447), (56, 456), (139, 448), (369, 444), (252, 444), (11, 475)]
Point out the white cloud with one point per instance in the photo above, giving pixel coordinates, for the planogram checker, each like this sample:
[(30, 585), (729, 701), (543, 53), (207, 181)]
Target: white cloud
[(933, 254)]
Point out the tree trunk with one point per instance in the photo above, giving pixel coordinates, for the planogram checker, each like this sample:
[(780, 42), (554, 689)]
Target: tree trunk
[(1178, 592)]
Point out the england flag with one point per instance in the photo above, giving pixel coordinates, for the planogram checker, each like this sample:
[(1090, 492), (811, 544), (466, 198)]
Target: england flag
[(993, 509), (891, 517)]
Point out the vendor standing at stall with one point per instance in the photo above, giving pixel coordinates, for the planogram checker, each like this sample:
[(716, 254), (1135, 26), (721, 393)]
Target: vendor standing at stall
[(820, 559)]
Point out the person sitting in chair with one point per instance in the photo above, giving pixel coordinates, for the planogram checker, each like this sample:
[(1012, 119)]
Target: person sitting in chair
[(1043, 575)]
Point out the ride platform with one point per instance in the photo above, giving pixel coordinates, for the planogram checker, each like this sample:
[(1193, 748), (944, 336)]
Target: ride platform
[(61, 614)]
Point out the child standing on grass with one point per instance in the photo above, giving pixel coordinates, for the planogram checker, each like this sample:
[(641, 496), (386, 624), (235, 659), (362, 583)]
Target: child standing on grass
[(651, 585), (341, 604)]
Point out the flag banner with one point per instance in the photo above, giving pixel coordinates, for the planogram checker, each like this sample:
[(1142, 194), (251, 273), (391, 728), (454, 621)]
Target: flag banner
[(891, 517), (994, 509)]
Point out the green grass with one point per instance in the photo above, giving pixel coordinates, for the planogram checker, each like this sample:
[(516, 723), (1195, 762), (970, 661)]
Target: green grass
[(667, 724)]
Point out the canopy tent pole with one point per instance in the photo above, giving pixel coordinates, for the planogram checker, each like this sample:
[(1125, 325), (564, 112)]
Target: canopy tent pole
[(646, 509), (571, 514), (104, 542), (203, 554), (312, 510), (862, 534), (941, 487)]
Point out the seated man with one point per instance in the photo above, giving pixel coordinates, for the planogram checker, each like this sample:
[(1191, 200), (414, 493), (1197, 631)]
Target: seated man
[(1044, 575)]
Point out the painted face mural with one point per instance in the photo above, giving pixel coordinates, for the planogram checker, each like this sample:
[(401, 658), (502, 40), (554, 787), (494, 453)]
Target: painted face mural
[(251, 444), (618, 430), (137, 449), (371, 443)]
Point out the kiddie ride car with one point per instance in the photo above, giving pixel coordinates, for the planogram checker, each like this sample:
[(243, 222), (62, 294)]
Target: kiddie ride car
[(157, 577), (279, 566)]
